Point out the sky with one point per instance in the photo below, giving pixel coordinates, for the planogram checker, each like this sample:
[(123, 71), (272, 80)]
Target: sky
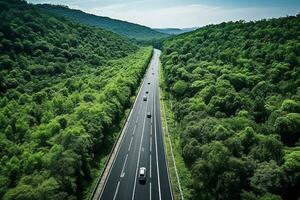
[(182, 13)]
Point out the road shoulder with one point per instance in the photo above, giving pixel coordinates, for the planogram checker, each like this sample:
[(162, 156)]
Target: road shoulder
[(179, 173)]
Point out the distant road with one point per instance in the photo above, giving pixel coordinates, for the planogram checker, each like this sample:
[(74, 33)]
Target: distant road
[(142, 146)]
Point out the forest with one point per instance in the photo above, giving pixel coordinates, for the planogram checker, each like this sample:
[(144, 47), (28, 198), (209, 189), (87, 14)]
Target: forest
[(235, 91), (64, 87), (137, 32)]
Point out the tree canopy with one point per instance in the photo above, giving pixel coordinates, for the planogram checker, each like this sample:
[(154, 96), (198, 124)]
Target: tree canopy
[(64, 88), (235, 89)]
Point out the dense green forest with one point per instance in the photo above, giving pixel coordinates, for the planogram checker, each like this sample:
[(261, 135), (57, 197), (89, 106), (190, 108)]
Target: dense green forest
[(235, 91), (64, 87), (130, 30)]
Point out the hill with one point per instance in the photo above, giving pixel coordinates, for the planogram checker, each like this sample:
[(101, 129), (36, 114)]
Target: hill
[(130, 30), (174, 31), (235, 91), (64, 88)]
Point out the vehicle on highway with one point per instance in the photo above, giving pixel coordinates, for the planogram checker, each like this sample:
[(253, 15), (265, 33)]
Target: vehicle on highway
[(149, 114), (142, 175), (147, 92), (152, 73), (148, 83), (144, 98)]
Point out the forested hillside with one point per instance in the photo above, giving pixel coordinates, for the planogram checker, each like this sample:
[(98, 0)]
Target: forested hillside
[(64, 87), (130, 30), (174, 31), (235, 89)]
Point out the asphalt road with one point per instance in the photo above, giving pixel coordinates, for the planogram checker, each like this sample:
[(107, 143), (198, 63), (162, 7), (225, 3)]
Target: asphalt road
[(142, 146)]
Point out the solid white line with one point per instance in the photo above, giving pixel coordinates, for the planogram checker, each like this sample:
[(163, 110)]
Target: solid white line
[(150, 144), (122, 173), (150, 167), (138, 162), (158, 178), (150, 191), (116, 190), (173, 158), (170, 186), (130, 143)]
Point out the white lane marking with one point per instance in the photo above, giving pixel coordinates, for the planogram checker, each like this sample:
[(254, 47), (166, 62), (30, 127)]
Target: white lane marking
[(152, 119), (134, 129), (142, 149), (150, 167), (150, 144), (158, 66), (130, 143), (116, 190), (150, 191), (123, 173), (158, 178), (138, 162), (138, 115), (173, 158)]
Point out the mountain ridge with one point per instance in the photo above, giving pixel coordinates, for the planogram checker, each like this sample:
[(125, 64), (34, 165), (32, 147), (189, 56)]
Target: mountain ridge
[(124, 28), (175, 31)]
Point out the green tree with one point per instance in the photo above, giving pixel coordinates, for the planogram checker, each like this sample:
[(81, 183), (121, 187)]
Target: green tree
[(289, 128), (180, 88), (268, 177), (290, 106)]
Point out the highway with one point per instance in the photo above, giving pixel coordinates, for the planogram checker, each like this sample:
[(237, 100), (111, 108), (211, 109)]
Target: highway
[(141, 146)]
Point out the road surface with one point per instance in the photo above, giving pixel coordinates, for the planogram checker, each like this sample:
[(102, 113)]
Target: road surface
[(142, 146)]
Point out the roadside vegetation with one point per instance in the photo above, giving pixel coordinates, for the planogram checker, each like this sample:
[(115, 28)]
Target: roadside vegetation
[(235, 89), (64, 88), (173, 147)]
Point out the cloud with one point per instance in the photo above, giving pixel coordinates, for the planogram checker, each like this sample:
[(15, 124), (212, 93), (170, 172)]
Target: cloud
[(193, 15), (111, 9)]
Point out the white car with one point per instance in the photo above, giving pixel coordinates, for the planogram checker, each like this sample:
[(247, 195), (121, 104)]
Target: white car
[(149, 114), (142, 175), (144, 98)]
